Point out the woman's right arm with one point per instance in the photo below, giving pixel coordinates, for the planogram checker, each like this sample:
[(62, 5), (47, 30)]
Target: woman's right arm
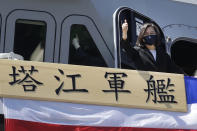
[(124, 43)]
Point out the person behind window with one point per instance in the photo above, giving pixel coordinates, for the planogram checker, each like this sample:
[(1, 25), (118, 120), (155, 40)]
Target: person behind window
[(84, 57), (148, 54)]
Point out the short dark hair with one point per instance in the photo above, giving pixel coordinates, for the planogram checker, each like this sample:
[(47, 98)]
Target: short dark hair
[(142, 32)]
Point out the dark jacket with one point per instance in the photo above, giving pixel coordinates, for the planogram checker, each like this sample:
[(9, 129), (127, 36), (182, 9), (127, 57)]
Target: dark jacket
[(80, 57), (142, 59)]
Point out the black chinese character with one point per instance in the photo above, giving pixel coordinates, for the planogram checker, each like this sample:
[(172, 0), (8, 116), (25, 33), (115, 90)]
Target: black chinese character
[(28, 82), (116, 83), (73, 77), (159, 88)]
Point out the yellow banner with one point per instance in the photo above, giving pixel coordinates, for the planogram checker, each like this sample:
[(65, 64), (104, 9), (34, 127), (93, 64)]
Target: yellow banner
[(92, 85)]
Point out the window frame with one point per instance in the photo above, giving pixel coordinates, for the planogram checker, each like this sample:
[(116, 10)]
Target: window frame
[(94, 33), (117, 30), (31, 15)]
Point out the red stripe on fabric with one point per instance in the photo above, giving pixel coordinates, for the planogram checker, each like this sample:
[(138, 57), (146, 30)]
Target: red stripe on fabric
[(20, 125)]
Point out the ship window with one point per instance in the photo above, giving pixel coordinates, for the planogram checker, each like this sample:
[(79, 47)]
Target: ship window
[(135, 21), (83, 50), (183, 52), (29, 39)]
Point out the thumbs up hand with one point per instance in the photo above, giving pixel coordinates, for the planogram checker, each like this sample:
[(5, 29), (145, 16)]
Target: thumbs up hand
[(124, 30), (75, 42)]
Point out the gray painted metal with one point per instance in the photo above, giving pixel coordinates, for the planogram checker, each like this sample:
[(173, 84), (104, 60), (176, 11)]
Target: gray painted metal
[(177, 19)]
